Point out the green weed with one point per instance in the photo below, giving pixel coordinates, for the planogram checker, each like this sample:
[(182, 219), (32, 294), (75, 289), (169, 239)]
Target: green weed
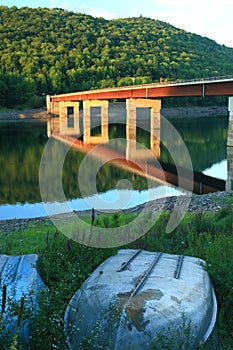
[(64, 264)]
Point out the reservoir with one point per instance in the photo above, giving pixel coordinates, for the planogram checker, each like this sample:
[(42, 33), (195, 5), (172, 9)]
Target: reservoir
[(22, 144)]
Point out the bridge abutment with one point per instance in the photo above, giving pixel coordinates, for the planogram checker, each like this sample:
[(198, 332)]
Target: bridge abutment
[(131, 128), (230, 126), (87, 137), (53, 108)]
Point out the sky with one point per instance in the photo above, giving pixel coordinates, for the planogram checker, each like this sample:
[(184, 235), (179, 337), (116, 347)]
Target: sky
[(208, 18)]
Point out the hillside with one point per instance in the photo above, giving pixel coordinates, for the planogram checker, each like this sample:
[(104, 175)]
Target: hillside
[(53, 51)]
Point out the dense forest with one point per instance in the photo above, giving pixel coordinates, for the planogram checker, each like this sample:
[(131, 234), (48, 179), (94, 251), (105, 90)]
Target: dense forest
[(50, 51)]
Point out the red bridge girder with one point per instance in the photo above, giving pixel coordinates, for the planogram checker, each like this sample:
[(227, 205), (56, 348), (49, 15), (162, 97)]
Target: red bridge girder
[(223, 87)]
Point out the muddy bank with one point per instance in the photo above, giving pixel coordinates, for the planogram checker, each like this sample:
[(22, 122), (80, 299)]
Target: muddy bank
[(28, 114), (119, 109), (187, 112)]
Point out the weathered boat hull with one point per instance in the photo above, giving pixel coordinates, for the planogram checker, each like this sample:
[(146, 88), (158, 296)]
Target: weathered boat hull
[(22, 280), (143, 300)]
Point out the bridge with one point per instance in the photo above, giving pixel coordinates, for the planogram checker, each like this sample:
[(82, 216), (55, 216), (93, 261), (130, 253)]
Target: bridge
[(66, 107), (215, 86)]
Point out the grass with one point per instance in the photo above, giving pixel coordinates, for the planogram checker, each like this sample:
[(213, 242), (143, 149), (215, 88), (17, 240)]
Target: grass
[(27, 240), (4, 109), (65, 264)]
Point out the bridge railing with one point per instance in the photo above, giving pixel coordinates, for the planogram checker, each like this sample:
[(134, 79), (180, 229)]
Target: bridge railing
[(166, 82), (161, 82), (215, 78)]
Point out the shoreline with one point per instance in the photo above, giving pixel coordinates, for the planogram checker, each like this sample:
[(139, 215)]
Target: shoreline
[(24, 114), (195, 112), (119, 107), (211, 202)]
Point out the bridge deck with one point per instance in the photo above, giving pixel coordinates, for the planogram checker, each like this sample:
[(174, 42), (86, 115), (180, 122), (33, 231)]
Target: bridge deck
[(217, 86)]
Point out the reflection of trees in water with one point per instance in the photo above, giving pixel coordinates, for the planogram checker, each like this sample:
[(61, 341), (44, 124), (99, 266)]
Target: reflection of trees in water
[(205, 138), (22, 145)]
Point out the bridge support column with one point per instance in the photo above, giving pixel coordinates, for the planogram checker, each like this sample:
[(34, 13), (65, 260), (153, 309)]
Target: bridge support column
[(48, 104), (69, 118), (87, 137), (131, 124), (229, 182), (53, 111), (230, 126), (53, 108)]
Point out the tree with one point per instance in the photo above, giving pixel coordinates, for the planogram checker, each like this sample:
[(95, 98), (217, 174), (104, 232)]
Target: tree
[(62, 51)]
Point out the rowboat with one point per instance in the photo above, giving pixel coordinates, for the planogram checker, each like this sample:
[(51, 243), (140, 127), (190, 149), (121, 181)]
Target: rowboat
[(20, 279), (139, 300)]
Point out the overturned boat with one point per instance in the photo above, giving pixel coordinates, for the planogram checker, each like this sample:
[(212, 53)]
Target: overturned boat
[(144, 300), (19, 279)]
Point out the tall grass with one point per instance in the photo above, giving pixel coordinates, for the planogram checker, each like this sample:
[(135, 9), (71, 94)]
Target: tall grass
[(65, 264)]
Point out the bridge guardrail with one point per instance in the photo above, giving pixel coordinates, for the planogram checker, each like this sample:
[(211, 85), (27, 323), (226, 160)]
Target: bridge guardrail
[(170, 82)]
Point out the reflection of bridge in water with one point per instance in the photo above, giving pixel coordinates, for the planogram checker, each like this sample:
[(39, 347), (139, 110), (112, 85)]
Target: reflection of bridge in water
[(141, 162), (64, 113)]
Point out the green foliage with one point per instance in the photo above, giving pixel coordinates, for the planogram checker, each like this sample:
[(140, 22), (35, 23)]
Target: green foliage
[(60, 51), (10, 326), (22, 145), (15, 89), (65, 264), (175, 337), (36, 101), (64, 267)]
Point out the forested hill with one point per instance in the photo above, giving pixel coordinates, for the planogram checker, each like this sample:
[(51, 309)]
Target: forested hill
[(48, 51)]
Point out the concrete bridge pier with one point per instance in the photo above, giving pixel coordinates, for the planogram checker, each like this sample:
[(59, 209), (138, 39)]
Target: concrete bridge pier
[(230, 127), (69, 118), (87, 137), (53, 111), (53, 108), (132, 152), (229, 182)]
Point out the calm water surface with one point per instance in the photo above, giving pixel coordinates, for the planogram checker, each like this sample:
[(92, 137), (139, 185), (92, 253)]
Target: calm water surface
[(22, 145)]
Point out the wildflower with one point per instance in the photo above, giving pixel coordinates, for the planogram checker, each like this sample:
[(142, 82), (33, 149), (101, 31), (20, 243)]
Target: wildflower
[(68, 245), (92, 216)]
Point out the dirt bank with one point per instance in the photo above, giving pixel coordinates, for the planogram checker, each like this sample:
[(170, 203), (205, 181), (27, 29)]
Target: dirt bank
[(118, 108), (18, 114), (186, 112)]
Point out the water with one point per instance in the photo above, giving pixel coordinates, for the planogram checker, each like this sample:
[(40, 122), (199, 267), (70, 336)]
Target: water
[(22, 145)]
